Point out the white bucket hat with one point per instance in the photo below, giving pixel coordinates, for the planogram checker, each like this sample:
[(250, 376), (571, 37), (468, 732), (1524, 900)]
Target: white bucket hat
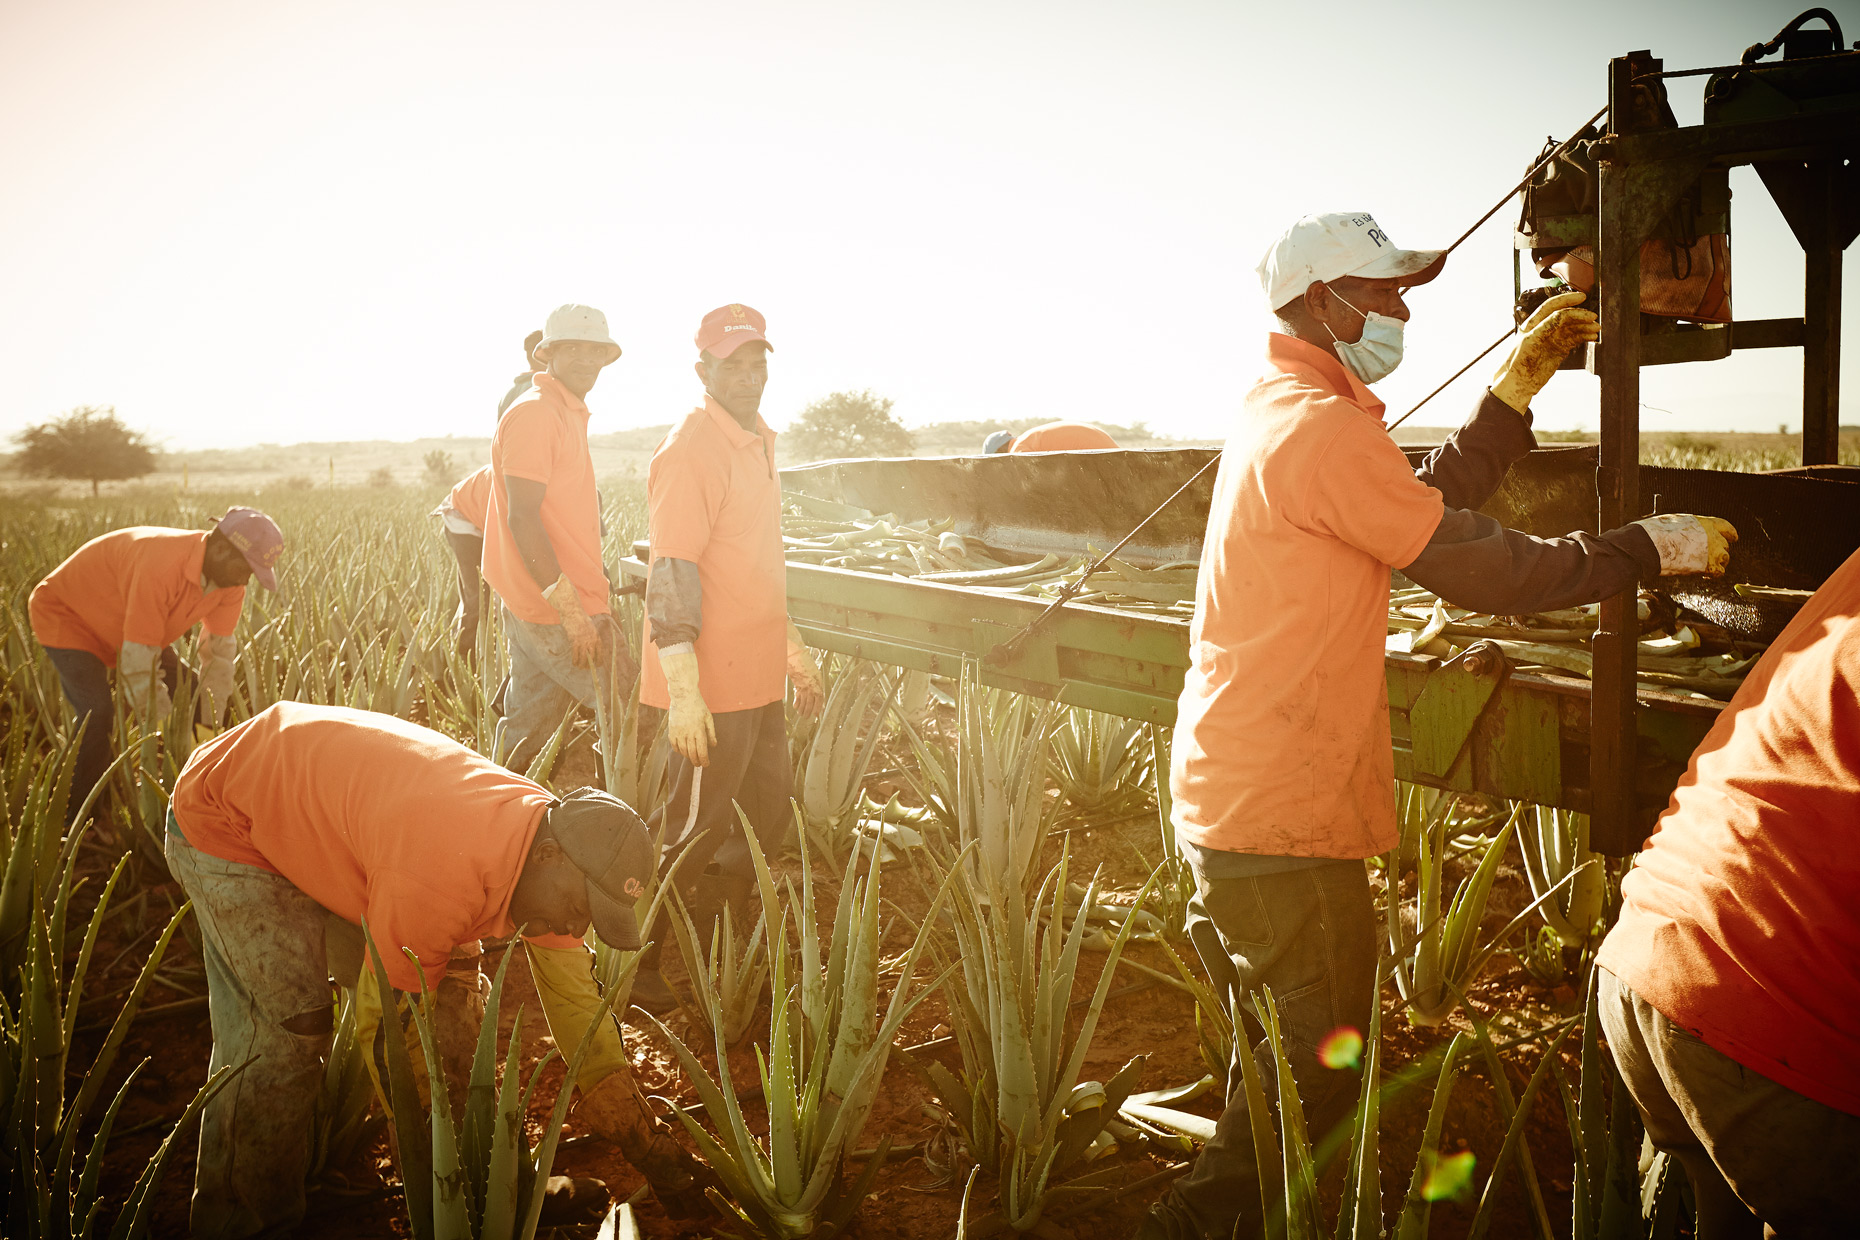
[(1322, 248), (575, 322)]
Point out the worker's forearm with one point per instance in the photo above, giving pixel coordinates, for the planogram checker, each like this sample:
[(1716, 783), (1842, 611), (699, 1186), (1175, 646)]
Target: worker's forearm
[(538, 552), (1471, 464), (674, 602), (1475, 562)]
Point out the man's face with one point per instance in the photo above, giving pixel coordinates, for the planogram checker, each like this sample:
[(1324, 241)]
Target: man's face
[(224, 566), (564, 908), (736, 382), (578, 363), (1346, 302)]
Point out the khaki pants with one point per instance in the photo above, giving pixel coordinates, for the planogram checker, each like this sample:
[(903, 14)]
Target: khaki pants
[(1763, 1159)]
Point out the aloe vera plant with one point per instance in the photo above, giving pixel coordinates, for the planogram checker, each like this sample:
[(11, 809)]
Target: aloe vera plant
[(837, 756), (1101, 763), (344, 1122), (1018, 1101), (47, 1190), (1555, 844), (727, 979), (474, 1176), (829, 1042)]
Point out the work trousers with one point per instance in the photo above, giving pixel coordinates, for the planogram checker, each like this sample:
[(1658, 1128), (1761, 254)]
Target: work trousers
[(1309, 936), (468, 550), (748, 767), (268, 1000), (545, 683), (1763, 1159), (86, 683)]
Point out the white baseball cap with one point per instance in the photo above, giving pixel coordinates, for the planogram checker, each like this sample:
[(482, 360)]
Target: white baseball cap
[(1322, 248), (573, 322)]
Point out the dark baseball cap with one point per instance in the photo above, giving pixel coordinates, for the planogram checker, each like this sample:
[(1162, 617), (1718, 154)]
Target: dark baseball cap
[(609, 843)]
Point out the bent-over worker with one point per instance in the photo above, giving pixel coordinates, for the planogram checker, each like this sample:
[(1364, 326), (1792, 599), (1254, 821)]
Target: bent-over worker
[(542, 538), (304, 813), (1730, 985), (718, 649), (463, 514), (1050, 437), (1282, 772), (123, 598)]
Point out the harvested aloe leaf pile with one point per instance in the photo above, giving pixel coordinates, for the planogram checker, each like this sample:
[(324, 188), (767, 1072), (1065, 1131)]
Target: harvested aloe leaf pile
[(1686, 657)]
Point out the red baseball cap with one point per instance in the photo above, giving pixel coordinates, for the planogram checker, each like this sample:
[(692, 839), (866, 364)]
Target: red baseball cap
[(728, 328), (258, 539)]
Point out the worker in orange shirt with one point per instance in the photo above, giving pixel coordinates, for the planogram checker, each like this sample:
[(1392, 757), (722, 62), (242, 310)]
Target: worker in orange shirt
[(521, 384), (542, 544), (719, 651), (1282, 772), (1051, 437), (463, 515), (121, 600), (304, 816), (1730, 985)]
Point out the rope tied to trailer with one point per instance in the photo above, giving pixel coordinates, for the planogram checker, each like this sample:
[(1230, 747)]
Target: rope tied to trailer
[(1006, 651)]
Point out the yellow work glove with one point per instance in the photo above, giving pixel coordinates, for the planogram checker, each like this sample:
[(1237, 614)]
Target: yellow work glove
[(689, 726), (1548, 336), (564, 980), (1690, 545), (804, 675), (584, 643)]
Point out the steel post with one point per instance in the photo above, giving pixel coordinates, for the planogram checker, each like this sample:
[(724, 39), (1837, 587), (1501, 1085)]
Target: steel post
[(1612, 750), (1821, 315)]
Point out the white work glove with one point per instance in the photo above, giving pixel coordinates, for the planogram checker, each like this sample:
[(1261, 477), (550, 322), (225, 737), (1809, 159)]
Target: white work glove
[(137, 667), (584, 644), (689, 726), (804, 675), (1548, 336), (216, 677), (1689, 544)]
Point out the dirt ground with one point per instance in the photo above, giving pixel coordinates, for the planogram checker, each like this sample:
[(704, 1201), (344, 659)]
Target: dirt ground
[(912, 1198)]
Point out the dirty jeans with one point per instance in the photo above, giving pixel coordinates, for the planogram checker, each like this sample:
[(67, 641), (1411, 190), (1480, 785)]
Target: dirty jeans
[(86, 684), (1762, 1159), (544, 681), (268, 999), (1308, 935)]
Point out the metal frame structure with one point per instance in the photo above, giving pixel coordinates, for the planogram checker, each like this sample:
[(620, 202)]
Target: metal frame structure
[(1803, 160)]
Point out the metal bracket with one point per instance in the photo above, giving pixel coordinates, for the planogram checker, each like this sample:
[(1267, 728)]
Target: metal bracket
[(1442, 718)]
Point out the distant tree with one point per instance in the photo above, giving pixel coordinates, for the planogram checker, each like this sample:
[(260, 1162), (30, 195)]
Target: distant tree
[(439, 467), (89, 442), (849, 424), (382, 477)]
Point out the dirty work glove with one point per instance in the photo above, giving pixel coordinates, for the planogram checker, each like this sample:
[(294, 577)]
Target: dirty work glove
[(584, 644), (803, 674), (1548, 336), (137, 671), (688, 722), (1689, 544), (216, 677)]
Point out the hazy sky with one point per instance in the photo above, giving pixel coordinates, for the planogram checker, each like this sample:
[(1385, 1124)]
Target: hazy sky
[(245, 223)]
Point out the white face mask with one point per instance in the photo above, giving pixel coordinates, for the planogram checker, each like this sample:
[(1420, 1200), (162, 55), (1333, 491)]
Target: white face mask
[(1377, 353)]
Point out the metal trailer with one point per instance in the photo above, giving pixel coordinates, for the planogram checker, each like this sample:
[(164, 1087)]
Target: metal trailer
[(1473, 722)]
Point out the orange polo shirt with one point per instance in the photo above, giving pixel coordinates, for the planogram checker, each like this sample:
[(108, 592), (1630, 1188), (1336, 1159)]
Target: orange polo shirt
[(370, 816), (713, 498), (1741, 917), (471, 496), (1282, 730), (544, 438), (140, 584), (1062, 437)]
